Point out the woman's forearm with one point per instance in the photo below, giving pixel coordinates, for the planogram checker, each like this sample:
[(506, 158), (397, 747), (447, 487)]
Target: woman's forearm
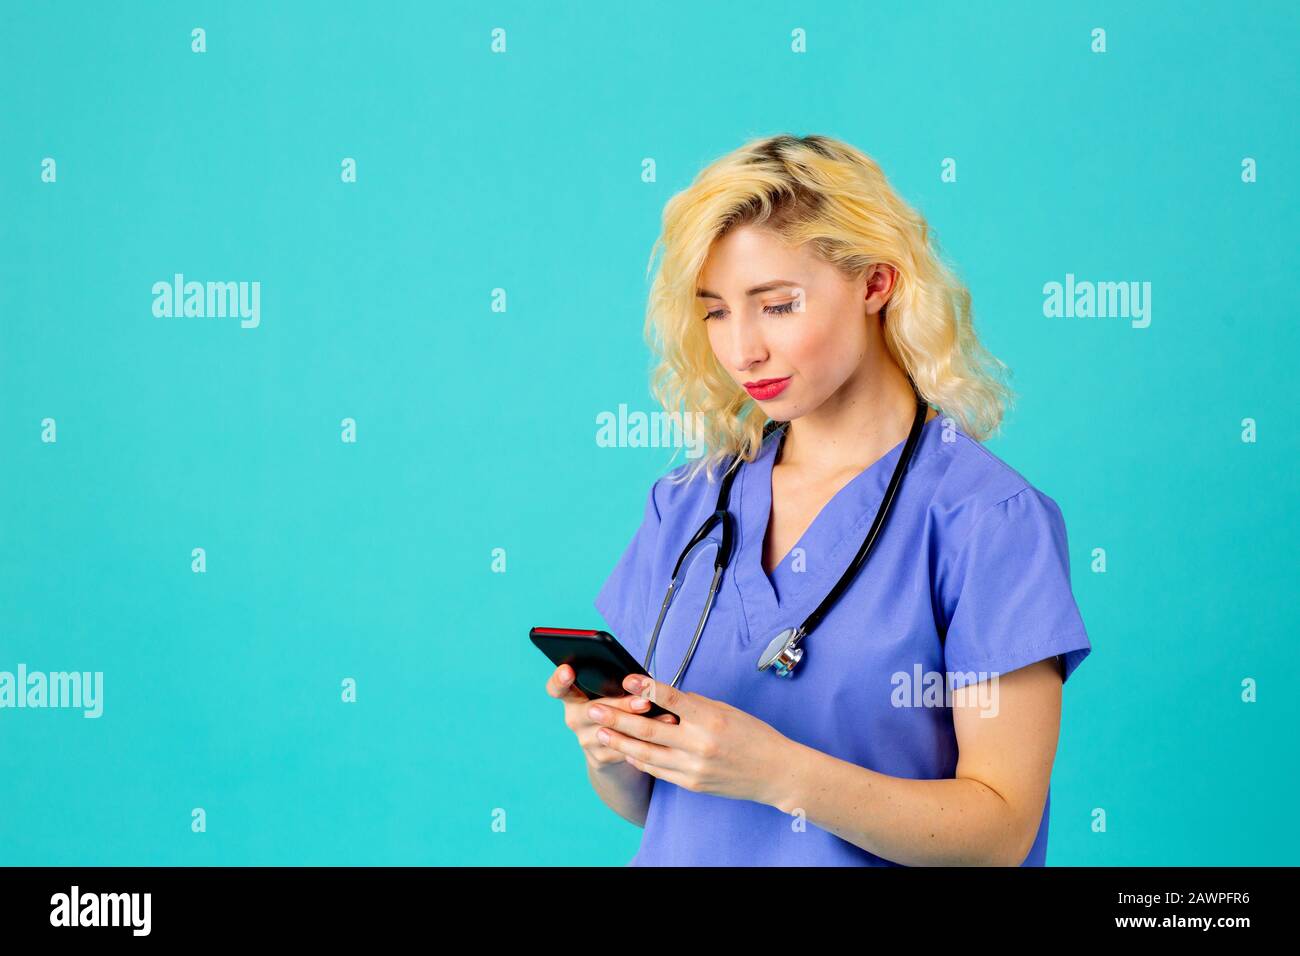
[(949, 822), (624, 789)]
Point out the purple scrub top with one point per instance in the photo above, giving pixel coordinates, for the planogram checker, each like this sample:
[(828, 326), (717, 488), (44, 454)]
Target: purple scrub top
[(970, 577)]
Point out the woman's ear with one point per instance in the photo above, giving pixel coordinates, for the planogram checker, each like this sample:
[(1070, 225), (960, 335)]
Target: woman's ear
[(879, 287)]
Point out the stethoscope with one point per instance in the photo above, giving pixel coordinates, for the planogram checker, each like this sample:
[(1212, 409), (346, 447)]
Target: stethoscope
[(783, 653)]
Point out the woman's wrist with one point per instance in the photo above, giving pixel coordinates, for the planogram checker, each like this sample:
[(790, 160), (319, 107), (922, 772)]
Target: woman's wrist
[(783, 784), (622, 788)]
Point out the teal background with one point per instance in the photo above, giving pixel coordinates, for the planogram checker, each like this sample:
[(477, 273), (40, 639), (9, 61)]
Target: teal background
[(476, 429)]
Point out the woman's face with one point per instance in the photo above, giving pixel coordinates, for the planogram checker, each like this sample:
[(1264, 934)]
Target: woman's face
[(778, 312)]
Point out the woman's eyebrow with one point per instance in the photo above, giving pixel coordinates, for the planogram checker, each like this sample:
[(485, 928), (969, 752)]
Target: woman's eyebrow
[(765, 287)]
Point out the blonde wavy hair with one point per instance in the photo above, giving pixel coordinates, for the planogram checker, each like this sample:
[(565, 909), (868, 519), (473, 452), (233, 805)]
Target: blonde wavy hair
[(825, 192)]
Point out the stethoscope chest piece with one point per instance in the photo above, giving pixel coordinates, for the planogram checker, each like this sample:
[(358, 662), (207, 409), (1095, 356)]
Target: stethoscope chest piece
[(783, 653)]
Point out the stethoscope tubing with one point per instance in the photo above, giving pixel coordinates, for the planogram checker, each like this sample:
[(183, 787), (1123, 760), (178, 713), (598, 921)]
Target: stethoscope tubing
[(722, 517)]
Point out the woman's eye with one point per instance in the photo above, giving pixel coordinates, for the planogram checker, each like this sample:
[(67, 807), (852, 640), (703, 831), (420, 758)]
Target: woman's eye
[(785, 308)]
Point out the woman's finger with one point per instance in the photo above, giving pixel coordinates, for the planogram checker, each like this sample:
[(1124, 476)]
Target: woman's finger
[(670, 776), (595, 749), (664, 757), (628, 702), (560, 684)]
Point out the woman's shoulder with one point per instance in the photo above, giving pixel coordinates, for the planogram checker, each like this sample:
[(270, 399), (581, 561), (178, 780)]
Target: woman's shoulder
[(680, 488), (971, 481)]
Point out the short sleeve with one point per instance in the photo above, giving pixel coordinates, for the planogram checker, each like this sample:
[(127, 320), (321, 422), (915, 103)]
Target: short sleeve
[(1013, 604), (624, 600)]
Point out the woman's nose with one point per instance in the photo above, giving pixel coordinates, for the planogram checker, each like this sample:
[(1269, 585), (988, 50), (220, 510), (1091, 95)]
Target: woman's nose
[(746, 345)]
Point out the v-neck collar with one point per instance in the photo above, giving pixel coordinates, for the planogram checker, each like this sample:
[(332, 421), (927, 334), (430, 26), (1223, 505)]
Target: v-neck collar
[(778, 601)]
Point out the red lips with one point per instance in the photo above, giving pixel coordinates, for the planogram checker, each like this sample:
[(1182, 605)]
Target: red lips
[(767, 388)]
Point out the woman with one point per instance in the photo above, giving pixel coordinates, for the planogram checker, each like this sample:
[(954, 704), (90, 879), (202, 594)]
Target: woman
[(798, 291)]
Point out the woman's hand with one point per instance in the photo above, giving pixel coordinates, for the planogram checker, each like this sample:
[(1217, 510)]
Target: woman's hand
[(577, 718), (716, 748)]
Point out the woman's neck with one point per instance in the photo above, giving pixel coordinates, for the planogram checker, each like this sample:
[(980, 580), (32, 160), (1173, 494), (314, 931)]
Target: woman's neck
[(854, 428)]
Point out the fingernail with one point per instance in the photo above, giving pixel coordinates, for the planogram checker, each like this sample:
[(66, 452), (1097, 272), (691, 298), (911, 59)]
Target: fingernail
[(635, 684), (596, 712), (638, 703), (647, 688)]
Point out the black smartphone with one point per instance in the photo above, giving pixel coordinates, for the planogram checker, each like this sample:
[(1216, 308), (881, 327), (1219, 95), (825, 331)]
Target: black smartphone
[(598, 660)]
